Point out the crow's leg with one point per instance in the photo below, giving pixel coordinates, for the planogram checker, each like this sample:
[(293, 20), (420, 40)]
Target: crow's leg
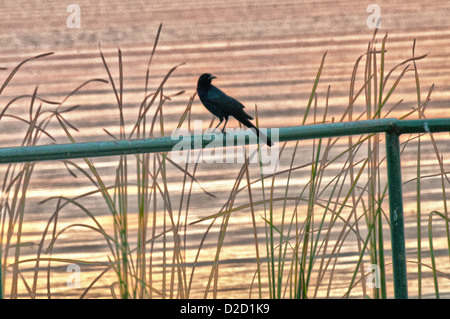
[(221, 120), (223, 128)]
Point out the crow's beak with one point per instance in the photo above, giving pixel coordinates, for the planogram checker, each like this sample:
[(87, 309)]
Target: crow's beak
[(212, 77)]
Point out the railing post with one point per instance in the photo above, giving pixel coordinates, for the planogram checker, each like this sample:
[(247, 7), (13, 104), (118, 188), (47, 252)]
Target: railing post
[(396, 215)]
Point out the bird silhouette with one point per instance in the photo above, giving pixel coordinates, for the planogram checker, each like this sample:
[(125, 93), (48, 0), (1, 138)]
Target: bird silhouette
[(223, 106)]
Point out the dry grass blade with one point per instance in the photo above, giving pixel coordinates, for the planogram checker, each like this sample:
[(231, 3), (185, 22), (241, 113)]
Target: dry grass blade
[(14, 71), (154, 96), (147, 75)]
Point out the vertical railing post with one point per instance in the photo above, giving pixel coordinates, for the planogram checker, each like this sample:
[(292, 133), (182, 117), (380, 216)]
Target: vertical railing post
[(396, 215)]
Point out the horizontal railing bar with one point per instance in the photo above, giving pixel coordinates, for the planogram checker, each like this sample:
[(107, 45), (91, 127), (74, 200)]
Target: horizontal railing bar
[(364, 127), (164, 144)]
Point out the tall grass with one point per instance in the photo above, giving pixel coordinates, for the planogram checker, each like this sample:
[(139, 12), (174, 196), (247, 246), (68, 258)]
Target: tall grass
[(16, 179), (357, 204), (317, 224)]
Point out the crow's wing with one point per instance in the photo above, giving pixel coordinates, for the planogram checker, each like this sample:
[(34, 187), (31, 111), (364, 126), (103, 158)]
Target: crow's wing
[(227, 104)]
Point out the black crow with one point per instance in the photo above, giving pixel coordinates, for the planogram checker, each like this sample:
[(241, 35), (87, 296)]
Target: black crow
[(223, 106)]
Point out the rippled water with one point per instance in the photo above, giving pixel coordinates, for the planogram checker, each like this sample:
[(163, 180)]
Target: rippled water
[(263, 52)]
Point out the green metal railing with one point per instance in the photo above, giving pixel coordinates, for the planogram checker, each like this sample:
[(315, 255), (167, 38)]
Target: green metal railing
[(393, 128)]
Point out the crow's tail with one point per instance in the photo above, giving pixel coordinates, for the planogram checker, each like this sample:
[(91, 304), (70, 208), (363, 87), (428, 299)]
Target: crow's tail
[(260, 134)]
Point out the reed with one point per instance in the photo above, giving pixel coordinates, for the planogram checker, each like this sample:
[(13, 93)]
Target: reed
[(317, 224)]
